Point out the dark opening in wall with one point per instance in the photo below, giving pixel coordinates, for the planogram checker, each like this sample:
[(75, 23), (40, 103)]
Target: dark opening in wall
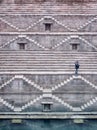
[(47, 26), (47, 106), (22, 46), (74, 46)]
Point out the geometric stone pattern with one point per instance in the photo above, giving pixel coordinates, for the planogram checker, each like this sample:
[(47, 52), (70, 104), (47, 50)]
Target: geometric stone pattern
[(69, 38), (91, 22), (58, 22), (48, 93), (44, 70)]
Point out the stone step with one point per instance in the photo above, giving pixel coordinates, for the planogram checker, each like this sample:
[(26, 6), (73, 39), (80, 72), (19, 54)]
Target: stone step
[(36, 71), (44, 69), (50, 52), (47, 59), (46, 51), (68, 63), (33, 61), (56, 55), (49, 55), (47, 7), (49, 62)]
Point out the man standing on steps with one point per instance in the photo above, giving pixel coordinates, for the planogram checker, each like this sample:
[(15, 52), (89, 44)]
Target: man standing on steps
[(76, 67)]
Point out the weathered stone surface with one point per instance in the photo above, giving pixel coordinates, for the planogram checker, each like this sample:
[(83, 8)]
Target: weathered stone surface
[(37, 62)]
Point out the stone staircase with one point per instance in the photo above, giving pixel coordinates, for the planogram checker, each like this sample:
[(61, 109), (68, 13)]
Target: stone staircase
[(31, 61), (47, 8)]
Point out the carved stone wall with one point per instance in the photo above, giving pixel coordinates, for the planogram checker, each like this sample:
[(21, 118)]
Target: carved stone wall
[(42, 70)]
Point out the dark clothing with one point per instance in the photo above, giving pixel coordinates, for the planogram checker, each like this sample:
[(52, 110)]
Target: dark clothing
[(76, 67)]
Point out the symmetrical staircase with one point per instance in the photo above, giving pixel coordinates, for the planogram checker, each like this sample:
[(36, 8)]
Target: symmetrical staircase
[(23, 63), (47, 61)]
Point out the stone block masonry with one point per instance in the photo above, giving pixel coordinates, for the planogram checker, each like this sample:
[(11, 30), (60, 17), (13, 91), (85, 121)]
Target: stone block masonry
[(39, 44)]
